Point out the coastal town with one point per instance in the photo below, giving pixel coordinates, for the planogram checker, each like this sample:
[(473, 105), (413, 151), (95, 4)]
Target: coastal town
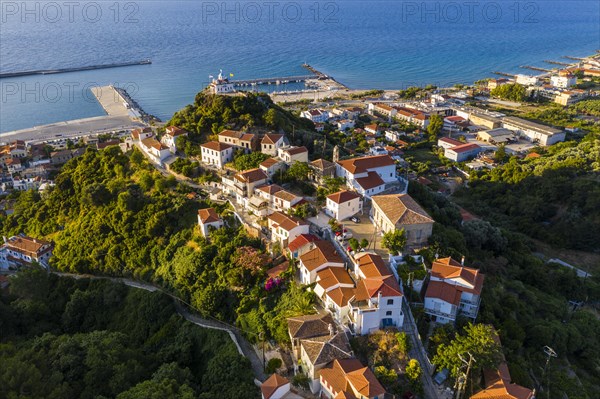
[(337, 215)]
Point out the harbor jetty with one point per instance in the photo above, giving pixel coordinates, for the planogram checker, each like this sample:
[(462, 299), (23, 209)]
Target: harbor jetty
[(276, 80), (508, 75), (535, 68), (121, 114), (76, 69), (557, 63), (573, 58)]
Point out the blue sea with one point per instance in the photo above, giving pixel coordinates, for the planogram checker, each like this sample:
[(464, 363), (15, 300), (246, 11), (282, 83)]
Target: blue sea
[(363, 44)]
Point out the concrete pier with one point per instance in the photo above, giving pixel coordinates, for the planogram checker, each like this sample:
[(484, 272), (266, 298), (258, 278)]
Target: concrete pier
[(119, 117)]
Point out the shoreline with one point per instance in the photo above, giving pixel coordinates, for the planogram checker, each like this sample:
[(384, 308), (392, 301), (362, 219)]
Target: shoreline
[(122, 113)]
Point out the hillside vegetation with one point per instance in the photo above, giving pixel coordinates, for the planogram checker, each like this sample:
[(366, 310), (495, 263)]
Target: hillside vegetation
[(64, 338), (252, 112), (554, 198), (114, 214)]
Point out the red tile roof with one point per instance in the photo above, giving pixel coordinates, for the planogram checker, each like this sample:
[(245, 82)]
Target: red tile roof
[(271, 385), (301, 240), (216, 146), (370, 287), (208, 215), (251, 175), (343, 196), (324, 252), (464, 148), (286, 222), (271, 138), (360, 165), (372, 180)]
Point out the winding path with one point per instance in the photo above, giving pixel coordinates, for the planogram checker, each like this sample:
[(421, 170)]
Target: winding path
[(243, 346)]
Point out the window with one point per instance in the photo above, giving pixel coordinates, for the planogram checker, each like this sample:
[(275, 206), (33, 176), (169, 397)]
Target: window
[(388, 313), (390, 301)]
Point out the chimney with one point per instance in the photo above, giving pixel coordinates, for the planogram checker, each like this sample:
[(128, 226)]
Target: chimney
[(462, 261), (331, 329), (437, 255)]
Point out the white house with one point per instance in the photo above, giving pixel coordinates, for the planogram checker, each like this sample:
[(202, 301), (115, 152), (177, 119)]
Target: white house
[(275, 387), (532, 131), (563, 81), (315, 115), (290, 154), (453, 289), (208, 219), (317, 352), (272, 166), (377, 303), (383, 109), (271, 142), (393, 135), (348, 378), (321, 256), (170, 137), (526, 80), (345, 124), (141, 133), (335, 288), (301, 245), (367, 175), (242, 184), (447, 142), (23, 250), (246, 141), (400, 211), (155, 150), (463, 152), (216, 154), (285, 228), (413, 116), (284, 200), (343, 204)]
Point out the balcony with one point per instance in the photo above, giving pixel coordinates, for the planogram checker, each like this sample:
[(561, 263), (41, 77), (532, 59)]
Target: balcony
[(470, 302), (434, 312)]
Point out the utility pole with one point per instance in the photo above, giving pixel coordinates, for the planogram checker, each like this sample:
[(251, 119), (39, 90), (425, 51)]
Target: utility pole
[(461, 382), (550, 353)]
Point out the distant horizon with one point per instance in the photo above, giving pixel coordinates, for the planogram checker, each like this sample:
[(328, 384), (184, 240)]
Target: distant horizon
[(390, 46)]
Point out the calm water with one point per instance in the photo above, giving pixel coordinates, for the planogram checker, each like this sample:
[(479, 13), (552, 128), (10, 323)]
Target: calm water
[(374, 44)]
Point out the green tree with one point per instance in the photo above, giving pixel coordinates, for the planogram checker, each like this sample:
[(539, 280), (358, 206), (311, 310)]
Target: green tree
[(273, 364), (478, 340), (435, 126), (413, 370), (385, 375), (394, 241)]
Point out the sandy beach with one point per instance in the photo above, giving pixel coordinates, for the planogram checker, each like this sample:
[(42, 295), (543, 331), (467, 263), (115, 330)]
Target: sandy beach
[(119, 117)]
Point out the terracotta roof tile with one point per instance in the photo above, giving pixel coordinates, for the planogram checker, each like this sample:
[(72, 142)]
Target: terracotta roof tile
[(372, 180), (324, 252), (360, 165), (300, 241), (370, 287), (343, 196), (216, 146), (286, 222), (309, 326), (251, 175), (208, 215), (271, 385), (401, 209)]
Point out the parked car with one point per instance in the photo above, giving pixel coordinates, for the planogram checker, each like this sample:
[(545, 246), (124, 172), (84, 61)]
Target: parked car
[(355, 219)]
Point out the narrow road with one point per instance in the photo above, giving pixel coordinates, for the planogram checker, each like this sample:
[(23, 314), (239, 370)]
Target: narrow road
[(243, 346), (417, 351)]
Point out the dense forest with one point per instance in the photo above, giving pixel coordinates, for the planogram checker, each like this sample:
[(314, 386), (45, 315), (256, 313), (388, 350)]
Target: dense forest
[(554, 197), (526, 300), (114, 214), (65, 338)]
